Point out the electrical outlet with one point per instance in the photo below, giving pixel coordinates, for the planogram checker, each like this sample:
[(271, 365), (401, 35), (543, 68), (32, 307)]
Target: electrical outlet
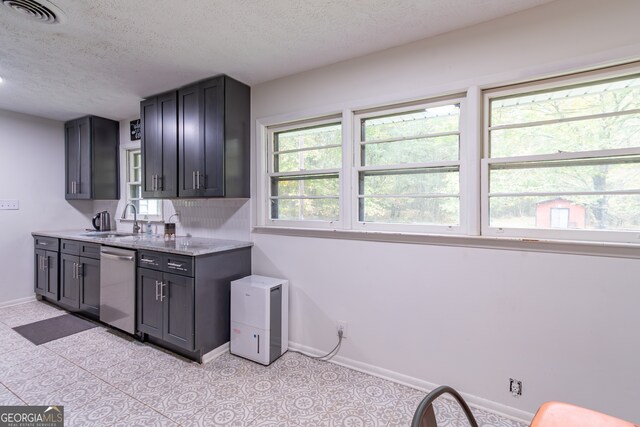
[(515, 387), (9, 205), (345, 327)]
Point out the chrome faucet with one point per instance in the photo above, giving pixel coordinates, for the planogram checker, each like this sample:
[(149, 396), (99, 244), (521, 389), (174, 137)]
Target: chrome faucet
[(136, 226)]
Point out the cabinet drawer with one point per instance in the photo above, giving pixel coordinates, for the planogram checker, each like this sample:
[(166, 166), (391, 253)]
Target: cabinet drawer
[(152, 260), (178, 264), (48, 243), (90, 250), (71, 247)]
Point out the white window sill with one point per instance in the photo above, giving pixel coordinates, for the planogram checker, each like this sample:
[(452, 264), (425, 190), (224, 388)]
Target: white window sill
[(141, 220), (592, 248)]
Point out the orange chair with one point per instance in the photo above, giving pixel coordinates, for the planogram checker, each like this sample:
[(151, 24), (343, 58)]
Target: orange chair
[(556, 414), (550, 414)]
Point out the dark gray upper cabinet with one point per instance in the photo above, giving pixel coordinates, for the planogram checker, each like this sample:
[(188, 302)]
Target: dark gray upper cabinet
[(159, 125), (213, 139), (91, 159)]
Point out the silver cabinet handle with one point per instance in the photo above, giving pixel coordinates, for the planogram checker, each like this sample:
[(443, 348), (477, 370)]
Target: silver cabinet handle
[(197, 180), (40, 263), (159, 185), (74, 272), (193, 178), (43, 243), (79, 270), (45, 263), (162, 285), (146, 260), (157, 290)]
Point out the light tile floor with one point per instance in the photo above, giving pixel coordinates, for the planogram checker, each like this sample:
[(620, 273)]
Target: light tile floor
[(104, 378)]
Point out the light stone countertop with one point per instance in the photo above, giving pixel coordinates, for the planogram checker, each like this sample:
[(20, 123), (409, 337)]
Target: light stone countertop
[(193, 246)]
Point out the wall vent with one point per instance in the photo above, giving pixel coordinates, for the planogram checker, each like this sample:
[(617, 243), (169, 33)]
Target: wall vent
[(42, 11)]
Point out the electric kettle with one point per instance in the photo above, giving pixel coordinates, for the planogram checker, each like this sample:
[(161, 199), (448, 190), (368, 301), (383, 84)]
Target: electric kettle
[(102, 221)]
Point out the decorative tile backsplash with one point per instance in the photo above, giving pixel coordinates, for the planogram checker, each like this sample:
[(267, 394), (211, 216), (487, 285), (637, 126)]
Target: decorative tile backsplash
[(215, 218)]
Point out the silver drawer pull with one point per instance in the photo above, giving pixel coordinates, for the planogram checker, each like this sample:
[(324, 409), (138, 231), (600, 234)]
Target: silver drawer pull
[(43, 243), (146, 261), (175, 265)]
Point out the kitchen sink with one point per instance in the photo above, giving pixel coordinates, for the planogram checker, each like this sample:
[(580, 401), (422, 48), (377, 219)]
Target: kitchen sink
[(108, 234)]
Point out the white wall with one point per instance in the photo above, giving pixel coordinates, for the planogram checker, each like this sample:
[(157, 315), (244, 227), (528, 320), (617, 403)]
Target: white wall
[(564, 324), (32, 171)]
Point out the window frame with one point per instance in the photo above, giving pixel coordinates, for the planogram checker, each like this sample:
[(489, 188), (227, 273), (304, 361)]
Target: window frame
[(268, 174), (129, 167), (573, 79), (357, 168)]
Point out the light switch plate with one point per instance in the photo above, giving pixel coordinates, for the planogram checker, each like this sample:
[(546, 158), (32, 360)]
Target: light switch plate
[(9, 205)]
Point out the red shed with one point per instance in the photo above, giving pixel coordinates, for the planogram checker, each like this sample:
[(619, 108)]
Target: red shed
[(560, 213)]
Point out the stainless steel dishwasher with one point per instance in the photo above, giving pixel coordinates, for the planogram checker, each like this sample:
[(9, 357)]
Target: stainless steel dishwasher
[(118, 288)]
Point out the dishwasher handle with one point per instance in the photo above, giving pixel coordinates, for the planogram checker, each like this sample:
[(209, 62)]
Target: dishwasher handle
[(116, 256)]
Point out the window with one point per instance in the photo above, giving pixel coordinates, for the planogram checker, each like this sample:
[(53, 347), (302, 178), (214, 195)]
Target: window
[(563, 159), (407, 166), (152, 209), (305, 163), (558, 158)]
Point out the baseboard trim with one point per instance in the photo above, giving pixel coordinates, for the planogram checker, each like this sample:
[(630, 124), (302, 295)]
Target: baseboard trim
[(472, 400), (215, 353), (17, 301)]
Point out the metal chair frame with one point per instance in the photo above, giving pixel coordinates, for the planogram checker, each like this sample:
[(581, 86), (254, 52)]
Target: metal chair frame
[(425, 417)]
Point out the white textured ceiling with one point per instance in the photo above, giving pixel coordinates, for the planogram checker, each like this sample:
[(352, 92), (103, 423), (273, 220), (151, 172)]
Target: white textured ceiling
[(108, 54)]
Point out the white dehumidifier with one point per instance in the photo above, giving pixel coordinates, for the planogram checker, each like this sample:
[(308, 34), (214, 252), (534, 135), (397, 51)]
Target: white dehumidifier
[(259, 318)]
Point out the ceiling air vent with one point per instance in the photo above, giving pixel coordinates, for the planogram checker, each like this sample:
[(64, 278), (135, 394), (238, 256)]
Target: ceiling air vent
[(42, 11)]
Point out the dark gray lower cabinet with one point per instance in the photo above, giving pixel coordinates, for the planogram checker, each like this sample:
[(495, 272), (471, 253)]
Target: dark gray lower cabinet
[(80, 277), (89, 282), (183, 301), (165, 307), (150, 310), (46, 273), (69, 282), (178, 315)]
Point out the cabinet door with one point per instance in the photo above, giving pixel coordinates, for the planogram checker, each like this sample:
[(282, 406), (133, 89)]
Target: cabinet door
[(212, 134), (149, 303), (151, 146), (89, 272), (40, 277), (177, 294), (191, 149), (69, 284), (72, 158), (167, 186), (83, 190), (51, 268)]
